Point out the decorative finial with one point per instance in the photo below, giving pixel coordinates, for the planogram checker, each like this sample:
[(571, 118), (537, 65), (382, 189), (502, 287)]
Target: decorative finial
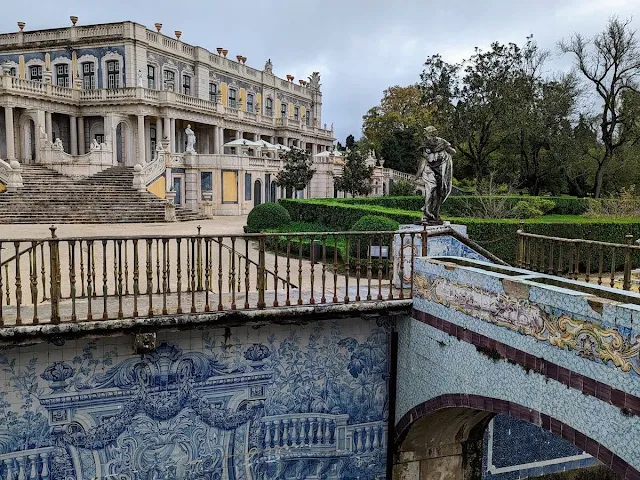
[(21, 25), (158, 26), (244, 60), (224, 52), (178, 34), (73, 19), (219, 50)]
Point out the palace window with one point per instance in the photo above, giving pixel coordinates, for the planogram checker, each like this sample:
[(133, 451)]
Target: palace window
[(269, 107), (186, 84), (113, 74), (283, 110), (232, 98), (213, 92), (62, 75), (308, 118), (89, 75), (169, 80), (151, 76), (35, 73), (247, 186), (250, 102), (296, 113)]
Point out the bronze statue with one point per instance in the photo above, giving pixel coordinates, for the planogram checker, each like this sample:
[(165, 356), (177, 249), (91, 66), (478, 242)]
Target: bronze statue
[(435, 174)]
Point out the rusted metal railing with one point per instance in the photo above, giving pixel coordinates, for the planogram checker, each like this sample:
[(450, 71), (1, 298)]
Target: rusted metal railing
[(604, 263), (102, 278)]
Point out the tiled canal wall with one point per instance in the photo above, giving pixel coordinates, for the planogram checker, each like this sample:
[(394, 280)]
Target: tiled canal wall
[(502, 340)]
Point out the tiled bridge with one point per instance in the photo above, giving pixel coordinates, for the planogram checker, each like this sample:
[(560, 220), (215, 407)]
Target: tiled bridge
[(325, 355)]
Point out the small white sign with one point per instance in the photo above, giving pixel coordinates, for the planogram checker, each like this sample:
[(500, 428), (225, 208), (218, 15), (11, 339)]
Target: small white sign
[(375, 251)]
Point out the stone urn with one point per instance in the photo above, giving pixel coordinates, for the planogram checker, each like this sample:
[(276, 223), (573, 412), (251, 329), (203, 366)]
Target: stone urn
[(224, 52), (171, 196), (158, 26)]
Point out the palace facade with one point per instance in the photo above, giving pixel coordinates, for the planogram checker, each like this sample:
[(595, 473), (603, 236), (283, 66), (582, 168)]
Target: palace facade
[(81, 99)]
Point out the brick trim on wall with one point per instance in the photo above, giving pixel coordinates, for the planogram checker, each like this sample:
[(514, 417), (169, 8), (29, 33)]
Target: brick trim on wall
[(629, 403)]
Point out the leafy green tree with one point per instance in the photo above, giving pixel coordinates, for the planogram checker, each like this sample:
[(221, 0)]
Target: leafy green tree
[(297, 172), (350, 142), (356, 174), (610, 64), (392, 128), (474, 103), (402, 188)]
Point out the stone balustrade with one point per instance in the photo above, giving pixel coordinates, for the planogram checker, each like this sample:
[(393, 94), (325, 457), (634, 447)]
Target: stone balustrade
[(158, 98), (10, 174), (27, 464), (98, 159)]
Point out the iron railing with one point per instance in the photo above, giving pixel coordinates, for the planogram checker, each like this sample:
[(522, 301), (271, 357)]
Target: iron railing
[(604, 263), (54, 280)]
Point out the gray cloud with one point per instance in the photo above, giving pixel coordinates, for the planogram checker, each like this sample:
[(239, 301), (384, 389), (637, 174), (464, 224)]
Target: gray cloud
[(359, 46)]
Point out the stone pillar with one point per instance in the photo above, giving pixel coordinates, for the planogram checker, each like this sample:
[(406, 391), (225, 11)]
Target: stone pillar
[(81, 139), (238, 134), (158, 134), (9, 135), (256, 137), (48, 125), (73, 124), (220, 137), (166, 130), (285, 141), (142, 151), (109, 133), (172, 135)]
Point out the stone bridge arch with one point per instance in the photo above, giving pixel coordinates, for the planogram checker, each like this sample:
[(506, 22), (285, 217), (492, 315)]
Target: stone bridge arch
[(566, 360)]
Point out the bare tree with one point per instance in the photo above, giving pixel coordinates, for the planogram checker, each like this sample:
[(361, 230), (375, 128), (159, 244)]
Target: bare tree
[(611, 62)]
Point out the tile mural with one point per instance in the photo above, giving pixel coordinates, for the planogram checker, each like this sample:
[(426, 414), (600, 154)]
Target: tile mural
[(243, 403)]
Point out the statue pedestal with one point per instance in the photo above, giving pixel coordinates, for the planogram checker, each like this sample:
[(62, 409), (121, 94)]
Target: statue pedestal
[(410, 245)]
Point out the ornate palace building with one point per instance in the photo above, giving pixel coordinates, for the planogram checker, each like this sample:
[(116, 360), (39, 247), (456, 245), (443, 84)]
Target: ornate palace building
[(83, 99)]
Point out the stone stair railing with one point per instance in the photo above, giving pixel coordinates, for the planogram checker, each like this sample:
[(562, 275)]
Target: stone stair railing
[(366, 437), (98, 159), (11, 174), (145, 175), (27, 464)]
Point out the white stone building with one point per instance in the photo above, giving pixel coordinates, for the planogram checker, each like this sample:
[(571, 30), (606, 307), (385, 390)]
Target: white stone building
[(81, 99)]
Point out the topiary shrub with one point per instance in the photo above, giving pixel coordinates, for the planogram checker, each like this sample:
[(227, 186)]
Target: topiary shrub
[(543, 204), (267, 215), (375, 223), (524, 209)]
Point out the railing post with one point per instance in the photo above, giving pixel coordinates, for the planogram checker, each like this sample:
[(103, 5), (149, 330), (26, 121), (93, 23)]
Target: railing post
[(261, 270), (54, 280), (199, 257), (626, 285), (425, 238), (520, 245)]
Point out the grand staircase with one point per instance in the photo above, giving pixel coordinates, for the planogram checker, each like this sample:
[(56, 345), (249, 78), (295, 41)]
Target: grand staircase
[(107, 197)]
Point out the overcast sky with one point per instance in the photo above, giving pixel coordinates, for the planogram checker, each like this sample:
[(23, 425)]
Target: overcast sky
[(360, 47)]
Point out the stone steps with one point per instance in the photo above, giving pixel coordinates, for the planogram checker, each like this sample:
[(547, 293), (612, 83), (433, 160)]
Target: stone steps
[(107, 197)]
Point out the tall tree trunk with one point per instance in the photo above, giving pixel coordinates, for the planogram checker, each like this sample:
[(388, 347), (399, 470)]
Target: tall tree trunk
[(597, 187)]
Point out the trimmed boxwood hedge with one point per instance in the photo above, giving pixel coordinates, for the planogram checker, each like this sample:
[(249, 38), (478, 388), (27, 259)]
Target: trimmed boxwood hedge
[(459, 205), (496, 235)]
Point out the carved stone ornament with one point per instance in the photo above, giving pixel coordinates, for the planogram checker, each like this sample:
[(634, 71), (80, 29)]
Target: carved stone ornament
[(144, 342)]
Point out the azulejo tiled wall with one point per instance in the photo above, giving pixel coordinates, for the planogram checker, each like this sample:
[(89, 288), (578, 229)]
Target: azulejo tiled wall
[(565, 354), (240, 403)]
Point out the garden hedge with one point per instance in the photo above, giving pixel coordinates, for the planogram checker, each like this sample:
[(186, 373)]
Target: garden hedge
[(463, 204), (496, 235)]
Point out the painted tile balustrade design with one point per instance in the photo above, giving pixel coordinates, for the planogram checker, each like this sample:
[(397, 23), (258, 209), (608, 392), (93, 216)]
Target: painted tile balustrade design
[(596, 339), (276, 402)]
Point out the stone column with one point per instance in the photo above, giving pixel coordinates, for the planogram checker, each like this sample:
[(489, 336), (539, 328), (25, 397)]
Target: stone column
[(172, 135), (238, 134), (220, 137), (9, 135), (158, 132), (166, 131), (109, 133), (142, 151), (73, 124), (285, 141), (48, 125), (256, 137), (81, 139)]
